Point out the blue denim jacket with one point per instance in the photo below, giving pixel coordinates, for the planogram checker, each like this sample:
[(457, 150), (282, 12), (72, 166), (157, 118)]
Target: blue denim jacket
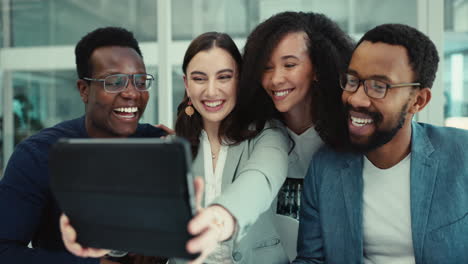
[(331, 211)]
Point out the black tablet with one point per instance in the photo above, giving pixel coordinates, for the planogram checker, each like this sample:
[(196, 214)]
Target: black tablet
[(133, 195)]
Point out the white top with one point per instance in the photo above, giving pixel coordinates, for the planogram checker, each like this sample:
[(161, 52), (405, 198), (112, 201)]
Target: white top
[(306, 144), (213, 180), (387, 214)]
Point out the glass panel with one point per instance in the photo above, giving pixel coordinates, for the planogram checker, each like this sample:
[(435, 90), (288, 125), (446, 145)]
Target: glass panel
[(456, 63), (237, 18), (1, 23), (370, 13), (42, 99), (58, 22), (151, 111), (178, 89), (191, 18)]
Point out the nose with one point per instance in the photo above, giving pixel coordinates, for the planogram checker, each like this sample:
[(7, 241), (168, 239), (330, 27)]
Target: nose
[(130, 91), (277, 78), (212, 89), (359, 98)]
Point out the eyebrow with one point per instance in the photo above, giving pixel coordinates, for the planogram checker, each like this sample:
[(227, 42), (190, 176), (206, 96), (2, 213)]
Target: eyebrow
[(373, 77), (198, 72), (289, 57), (218, 72), (225, 70)]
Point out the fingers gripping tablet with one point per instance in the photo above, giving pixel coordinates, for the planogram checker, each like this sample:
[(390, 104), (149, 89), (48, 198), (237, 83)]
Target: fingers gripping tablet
[(132, 195)]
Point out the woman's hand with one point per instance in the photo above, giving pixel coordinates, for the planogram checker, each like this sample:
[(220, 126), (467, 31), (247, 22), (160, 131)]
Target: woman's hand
[(69, 239), (210, 226)]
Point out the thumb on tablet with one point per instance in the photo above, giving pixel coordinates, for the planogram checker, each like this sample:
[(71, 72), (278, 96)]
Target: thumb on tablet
[(199, 185)]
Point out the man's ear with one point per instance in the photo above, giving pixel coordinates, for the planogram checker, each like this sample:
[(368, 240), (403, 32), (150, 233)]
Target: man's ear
[(422, 98), (186, 85), (83, 89)]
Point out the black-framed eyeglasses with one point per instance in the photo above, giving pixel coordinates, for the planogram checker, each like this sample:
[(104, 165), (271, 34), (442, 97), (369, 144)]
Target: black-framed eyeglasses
[(117, 83), (373, 88)]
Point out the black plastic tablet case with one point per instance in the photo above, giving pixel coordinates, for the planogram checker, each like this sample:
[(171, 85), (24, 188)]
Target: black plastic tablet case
[(133, 195)]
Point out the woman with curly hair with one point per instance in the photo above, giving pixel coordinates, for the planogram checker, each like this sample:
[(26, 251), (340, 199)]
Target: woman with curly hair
[(292, 64)]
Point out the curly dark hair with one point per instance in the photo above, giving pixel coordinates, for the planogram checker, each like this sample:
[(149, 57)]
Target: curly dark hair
[(190, 127), (101, 37), (329, 50), (422, 53)]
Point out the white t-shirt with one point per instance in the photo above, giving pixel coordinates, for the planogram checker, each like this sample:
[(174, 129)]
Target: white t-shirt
[(387, 214), (213, 180), (307, 144)]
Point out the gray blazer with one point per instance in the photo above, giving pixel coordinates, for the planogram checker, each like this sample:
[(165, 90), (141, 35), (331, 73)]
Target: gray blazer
[(253, 174), (330, 230)]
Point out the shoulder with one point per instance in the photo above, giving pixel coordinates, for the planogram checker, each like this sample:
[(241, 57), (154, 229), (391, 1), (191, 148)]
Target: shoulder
[(326, 154), (443, 137), (42, 140), (327, 162), (29, 161), (273, 132), (148, 130)]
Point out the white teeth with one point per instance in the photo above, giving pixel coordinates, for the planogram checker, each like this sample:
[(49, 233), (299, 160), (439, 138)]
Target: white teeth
[(282, 93), (213, 104), (127, 109), (359, 122)]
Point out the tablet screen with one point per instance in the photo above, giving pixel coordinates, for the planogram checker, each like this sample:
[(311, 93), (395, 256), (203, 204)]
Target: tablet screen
[(133, 195)]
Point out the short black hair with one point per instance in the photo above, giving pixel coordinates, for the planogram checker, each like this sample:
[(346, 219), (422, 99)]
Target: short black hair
[(422, 53), (101, 37)]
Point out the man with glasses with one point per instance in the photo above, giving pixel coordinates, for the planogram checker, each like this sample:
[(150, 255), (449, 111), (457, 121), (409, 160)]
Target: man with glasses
[(113, 85), (400, 194)]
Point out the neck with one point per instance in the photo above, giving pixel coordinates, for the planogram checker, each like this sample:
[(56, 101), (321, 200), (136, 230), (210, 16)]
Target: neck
[(212, 130), (95, 132), (394, 151), (299, 118)]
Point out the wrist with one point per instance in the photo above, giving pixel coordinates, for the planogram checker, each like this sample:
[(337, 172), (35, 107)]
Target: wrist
[(224, 221)]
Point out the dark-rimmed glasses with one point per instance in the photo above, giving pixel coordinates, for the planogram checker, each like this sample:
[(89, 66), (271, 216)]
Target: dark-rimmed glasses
[(373, 88), (117, 83)]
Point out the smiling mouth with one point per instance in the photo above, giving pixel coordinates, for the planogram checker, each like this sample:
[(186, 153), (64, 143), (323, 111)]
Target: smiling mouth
[(126, 112), (280, 94), (213, 103), (359, 122)]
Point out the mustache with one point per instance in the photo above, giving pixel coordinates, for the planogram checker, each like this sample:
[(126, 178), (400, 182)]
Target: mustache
[(374, 115)]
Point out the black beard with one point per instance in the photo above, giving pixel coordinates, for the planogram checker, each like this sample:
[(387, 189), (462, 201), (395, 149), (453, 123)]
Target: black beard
[(380, 137)]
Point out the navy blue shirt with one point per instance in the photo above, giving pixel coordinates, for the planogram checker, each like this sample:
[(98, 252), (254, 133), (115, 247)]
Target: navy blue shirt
[(28, 209)]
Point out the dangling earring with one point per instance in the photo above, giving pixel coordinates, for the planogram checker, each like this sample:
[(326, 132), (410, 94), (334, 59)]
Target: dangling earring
[(189, 109)]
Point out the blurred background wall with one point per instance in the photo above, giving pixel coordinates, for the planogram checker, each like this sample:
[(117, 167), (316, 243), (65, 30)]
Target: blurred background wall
[(37, 39)]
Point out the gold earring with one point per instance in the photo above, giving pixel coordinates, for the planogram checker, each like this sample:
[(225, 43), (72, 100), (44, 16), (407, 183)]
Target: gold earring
[(189, 109)]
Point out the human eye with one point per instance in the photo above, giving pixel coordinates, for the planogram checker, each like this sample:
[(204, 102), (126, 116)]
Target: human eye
[(352, 80), (225, 77), (198, 79), (141, 81), (290, 65), (378, 86), (115, 81), (268, 68)]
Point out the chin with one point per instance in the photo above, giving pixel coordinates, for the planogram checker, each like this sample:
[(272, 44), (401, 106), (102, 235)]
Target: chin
[(282, 108)]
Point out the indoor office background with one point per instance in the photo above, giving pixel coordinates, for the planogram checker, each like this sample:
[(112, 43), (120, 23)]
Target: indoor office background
[(37, 38)]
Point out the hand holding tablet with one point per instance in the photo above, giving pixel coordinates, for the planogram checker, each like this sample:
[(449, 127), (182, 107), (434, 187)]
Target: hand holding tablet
[(134, 195)]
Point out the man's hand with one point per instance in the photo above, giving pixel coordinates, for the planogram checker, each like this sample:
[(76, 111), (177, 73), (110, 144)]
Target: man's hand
[(210, 226), (69, 239)]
